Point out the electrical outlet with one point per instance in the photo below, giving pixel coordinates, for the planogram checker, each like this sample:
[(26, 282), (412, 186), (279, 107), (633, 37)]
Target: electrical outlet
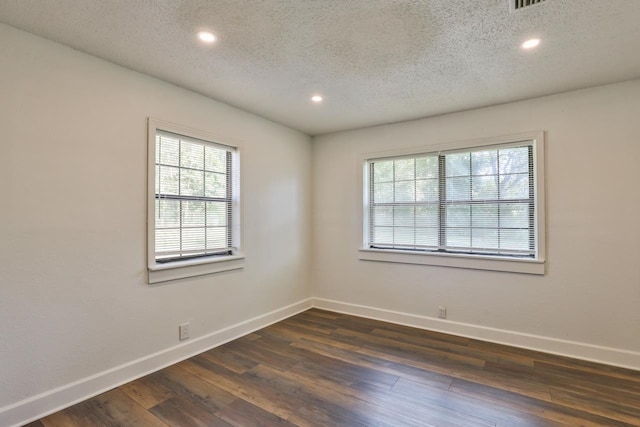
[(184, 331), (442, 312)]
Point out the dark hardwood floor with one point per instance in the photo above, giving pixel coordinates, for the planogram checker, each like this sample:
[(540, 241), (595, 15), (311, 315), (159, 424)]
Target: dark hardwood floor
[(325, 369)]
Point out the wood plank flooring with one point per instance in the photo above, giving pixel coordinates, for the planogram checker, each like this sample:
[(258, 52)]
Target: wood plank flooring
[(320, 368)]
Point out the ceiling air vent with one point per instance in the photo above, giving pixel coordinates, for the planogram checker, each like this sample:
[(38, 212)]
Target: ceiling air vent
[(516, 5)]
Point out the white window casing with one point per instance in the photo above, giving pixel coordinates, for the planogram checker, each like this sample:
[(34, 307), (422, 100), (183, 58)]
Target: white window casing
[(193, 205), (473, 204)]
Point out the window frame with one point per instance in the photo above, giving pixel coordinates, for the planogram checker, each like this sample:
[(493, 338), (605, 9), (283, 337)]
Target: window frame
[(190, 267), (535, 265)]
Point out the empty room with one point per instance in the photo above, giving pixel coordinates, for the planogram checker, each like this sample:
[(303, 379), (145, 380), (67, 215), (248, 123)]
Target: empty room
[(319, 213)]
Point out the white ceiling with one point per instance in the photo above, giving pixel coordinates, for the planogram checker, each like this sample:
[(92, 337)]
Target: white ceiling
[(374, 61)]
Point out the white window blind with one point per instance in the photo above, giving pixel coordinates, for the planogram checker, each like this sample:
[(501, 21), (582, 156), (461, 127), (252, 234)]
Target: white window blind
[(475, 201), (193, 198)]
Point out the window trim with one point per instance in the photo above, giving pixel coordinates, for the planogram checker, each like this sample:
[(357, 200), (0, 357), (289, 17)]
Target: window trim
[(534, 265), (179, 269)]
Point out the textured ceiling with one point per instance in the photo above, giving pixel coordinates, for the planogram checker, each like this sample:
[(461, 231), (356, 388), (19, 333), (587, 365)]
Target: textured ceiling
[(374, 61)]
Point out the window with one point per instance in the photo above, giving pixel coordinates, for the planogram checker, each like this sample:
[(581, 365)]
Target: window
[(481, 201), (193, 203)]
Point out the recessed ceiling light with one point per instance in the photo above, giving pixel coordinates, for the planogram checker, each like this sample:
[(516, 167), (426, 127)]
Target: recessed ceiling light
[(316, 98), (531, 43), (206, 36)]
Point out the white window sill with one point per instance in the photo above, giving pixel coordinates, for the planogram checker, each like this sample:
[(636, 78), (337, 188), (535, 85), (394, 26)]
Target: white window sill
[(194, 267), (476, 262)]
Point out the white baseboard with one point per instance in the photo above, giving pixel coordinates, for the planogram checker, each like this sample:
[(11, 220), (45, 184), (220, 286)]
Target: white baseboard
[(577, 350), (43, 404), (54, 400)]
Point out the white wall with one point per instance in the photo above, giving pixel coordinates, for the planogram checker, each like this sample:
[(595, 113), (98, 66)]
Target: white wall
[(74, 301), (588, 302)]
